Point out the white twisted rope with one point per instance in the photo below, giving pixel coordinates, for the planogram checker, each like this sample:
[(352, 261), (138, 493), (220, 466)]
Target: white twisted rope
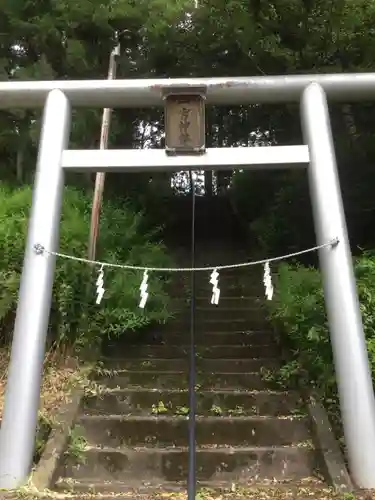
[(41, 250)]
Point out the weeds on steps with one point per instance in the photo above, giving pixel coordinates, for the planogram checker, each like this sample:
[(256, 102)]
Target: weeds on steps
[(234, 493), (77, 445)]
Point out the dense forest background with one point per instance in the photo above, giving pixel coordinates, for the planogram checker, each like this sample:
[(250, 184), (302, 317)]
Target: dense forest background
[(65, 39)]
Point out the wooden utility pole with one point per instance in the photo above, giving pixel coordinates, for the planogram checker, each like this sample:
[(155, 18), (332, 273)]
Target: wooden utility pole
[(100, 177)]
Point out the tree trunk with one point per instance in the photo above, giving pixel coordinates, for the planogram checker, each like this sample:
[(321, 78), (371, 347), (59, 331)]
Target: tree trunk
[(349, 122), (208, 183)]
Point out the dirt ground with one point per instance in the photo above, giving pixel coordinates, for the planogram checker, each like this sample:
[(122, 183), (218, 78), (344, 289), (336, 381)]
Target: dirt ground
[(265, 493), (61, 374)]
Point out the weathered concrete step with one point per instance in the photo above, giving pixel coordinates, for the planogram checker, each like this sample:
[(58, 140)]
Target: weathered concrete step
[(219, 313), (251, 277), (231, 286), (241, 301), (228, 303), (244, 318), (182, 364), (179, 380), (209, 323), (228, 289), (254, 294), (217, 464), (253, 281), (164, 431), (224, 338), (306, 489), (169, 351), (174, 402), (249, 274)]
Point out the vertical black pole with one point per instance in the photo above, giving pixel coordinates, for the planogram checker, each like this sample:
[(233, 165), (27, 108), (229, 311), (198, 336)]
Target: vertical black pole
[(192, 368)]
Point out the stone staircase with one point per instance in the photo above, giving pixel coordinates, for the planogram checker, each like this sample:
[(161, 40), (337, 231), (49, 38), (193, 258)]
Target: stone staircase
[(133, 432)]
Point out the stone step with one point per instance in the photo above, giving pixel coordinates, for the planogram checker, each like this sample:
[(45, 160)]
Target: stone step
[(173, 402), (306, 489), (217, 464), (223, 338), (227, 320), (253, 287), (182, 364), (169, 351), (219, 313), (179, 380), (210, 323), (232, 302), (230, 286), (164, 431), (254, 295), (226, 279)]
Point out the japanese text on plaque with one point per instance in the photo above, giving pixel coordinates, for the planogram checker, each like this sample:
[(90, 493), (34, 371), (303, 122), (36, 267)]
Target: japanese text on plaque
[(184, 125)]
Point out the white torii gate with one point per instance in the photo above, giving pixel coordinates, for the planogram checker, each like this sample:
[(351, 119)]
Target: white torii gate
[(346, 330)]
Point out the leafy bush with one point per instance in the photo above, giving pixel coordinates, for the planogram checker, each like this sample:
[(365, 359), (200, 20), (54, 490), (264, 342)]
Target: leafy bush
[(298, 308), (75, 318), (273, 205)]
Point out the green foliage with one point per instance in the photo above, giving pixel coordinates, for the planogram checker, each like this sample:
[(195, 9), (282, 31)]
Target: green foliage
[(77, 445), (289, 209), (65, 39), (43, 430), (298, 308), (75, 318)]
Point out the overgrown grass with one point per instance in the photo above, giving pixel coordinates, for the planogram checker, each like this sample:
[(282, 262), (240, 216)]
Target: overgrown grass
[(298, 309), (75, 319)]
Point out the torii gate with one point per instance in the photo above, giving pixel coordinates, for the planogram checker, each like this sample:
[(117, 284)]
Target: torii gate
[(349, 348)]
